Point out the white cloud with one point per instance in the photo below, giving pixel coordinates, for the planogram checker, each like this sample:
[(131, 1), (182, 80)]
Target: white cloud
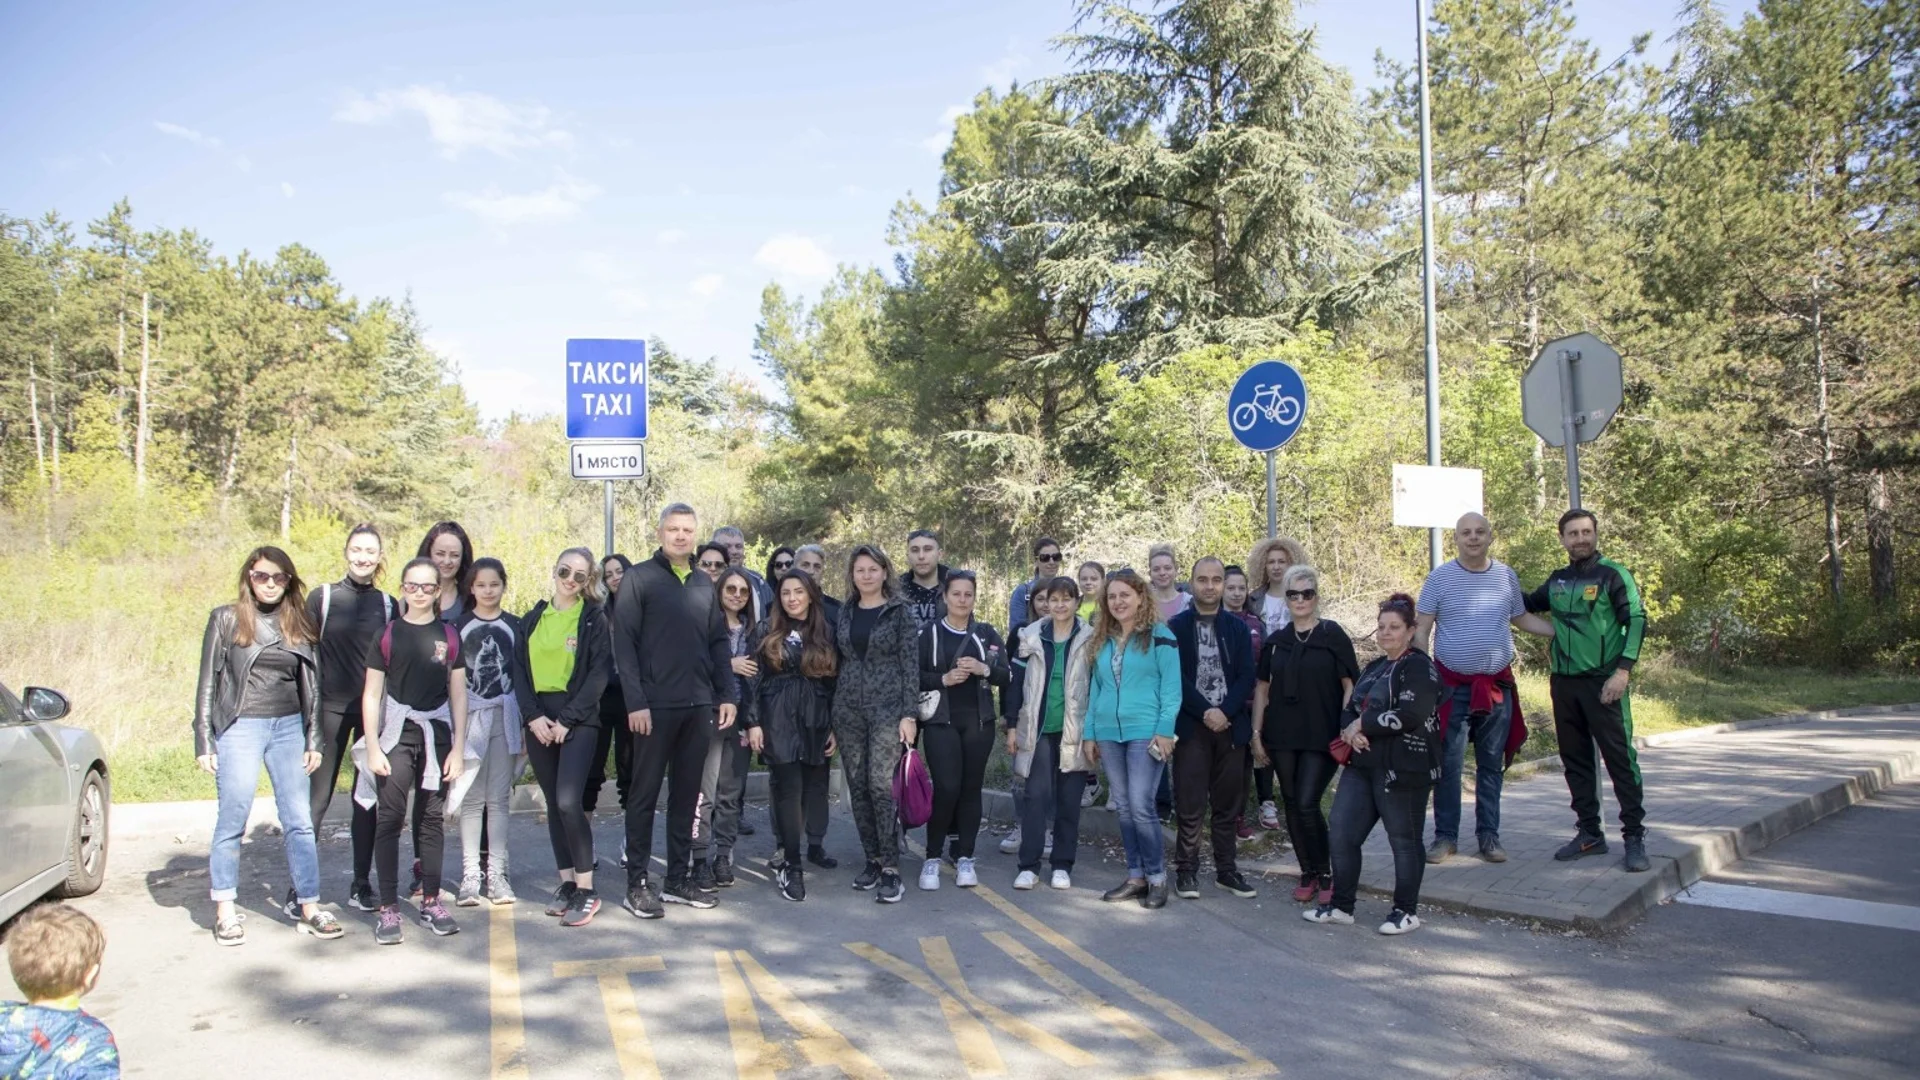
[(706, 284), (197, 138), (562, 199), (460, 122), (1002, 71), (669, 237), (243, 163), (286, 189), (795, 257), (936, 143)]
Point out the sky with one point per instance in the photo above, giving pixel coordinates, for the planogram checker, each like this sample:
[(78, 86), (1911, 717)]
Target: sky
[(632, 169)]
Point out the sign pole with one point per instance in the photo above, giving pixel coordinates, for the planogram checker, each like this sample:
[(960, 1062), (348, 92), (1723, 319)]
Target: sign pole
[(608, 549), (1568, 421), (1426, 271), (1273, 497)]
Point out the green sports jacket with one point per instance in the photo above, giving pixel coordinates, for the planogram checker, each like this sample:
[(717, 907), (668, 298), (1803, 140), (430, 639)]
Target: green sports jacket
[(1597, 617)]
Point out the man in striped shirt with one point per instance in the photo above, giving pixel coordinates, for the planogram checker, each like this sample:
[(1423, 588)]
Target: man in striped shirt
[(1469, 607)]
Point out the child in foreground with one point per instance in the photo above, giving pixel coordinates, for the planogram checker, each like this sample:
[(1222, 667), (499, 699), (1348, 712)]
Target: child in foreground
[(54, 951)]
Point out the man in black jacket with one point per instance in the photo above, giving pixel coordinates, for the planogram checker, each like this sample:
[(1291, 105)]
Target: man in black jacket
[(670, 641), (1214, 728)]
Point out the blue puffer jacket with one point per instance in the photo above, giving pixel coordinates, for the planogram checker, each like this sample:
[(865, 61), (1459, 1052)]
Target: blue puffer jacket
[(1145, 700)]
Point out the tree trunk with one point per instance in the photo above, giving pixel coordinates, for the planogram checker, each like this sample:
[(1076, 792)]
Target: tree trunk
[(1881, 577), (39, 436), (286, 488), (1829, 493), (120, 374), (53, 423), (142, 432)]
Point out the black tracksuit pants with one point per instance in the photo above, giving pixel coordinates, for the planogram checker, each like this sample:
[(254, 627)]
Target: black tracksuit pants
[(339, 726), (678, 745), (564, 773), (1580, 722), (1053, 803), (957, 761), (1209, 786), (793, 787), (408, 762)]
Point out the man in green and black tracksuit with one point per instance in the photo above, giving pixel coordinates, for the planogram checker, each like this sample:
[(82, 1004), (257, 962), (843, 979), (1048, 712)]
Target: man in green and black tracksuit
[(1598, 621)]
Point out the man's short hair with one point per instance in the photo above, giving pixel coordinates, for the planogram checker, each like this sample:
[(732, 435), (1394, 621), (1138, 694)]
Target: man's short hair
[(1204, 560), (1575, 515), (678, 509), (928, 533), (810, 549), (51, 948), (1043, 544), (728, 530)]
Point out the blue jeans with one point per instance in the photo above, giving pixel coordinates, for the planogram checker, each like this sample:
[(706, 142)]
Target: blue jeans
[(1489, 734), (278, 742), (1133, 779)]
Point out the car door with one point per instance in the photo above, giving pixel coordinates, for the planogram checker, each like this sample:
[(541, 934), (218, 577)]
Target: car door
[(34, 810)]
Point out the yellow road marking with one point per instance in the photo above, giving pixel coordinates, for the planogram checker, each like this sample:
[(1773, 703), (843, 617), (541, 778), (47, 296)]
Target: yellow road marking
[(819, 1042), (977, 1051), (1096, 1006), (1213, 1036), (754, 1058), (508, 1035), (630, 1043), (940, 961)]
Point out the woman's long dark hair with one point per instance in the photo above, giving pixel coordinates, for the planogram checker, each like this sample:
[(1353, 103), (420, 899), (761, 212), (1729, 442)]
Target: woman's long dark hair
[(873, 552), (773, 576), (442, 528), (720, 584), (626, 564), (295, 627), (488, 563), (819, 659)]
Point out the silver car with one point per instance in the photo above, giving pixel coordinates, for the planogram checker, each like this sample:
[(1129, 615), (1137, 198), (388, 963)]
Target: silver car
[(54, 801)]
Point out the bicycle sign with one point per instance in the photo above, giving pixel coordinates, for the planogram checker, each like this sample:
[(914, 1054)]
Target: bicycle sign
[(1267, 406)]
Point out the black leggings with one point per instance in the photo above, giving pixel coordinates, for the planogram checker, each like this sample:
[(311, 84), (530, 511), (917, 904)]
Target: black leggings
[(562, 772), (957, 760), (794, 786), (408, 761), (1304, 776), (338, 728), (1362, 800)]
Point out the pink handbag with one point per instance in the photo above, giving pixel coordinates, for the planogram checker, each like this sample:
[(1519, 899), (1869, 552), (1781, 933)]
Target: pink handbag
[(913, 789)]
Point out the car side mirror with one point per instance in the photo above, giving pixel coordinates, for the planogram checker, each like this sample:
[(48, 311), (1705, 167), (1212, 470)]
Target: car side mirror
[(44, 704)]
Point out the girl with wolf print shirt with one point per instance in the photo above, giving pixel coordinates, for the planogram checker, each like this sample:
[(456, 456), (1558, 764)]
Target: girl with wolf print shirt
[(495, 744)]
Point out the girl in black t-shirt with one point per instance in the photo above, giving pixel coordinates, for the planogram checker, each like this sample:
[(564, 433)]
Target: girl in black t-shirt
[(489, 647), (415, 713)]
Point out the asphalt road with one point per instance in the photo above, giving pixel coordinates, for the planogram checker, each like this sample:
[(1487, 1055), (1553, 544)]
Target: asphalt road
[(1040, 984)]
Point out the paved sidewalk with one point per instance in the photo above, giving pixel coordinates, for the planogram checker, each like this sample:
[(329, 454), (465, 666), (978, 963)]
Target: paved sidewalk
[(1711, 798)]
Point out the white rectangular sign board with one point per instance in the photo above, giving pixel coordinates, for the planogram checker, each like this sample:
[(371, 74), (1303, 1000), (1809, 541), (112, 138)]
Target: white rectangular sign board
[(1434, 497), (624, 459)]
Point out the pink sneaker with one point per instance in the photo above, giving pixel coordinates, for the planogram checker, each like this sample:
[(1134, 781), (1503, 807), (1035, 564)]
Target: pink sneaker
[(1326, 891), (1304, 891)]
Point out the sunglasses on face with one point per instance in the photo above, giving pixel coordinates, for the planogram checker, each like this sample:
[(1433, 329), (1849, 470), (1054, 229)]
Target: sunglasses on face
[(566, 574), (711, 567), (1302, 594), (1053, 558), (420, 588), (735, 590), (261, 577), (783, 564)]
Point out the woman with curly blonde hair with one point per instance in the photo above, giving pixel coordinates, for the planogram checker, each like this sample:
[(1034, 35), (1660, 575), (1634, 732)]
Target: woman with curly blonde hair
[(1267, 565)]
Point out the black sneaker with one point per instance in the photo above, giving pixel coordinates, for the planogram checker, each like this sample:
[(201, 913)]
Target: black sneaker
[(793, 882), (867, 878), (746, 827), (1636, 860), (723, 871), (582, 906), (290, 907), (1234, 882), (818, 856), (891, 889), (1582, 844), (1186, 884), (360, 897), (681, 891), (643, 901), (562, 898), (702, 880)]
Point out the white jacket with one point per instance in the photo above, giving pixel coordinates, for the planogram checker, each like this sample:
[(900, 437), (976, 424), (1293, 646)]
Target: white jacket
[(1036, 640)]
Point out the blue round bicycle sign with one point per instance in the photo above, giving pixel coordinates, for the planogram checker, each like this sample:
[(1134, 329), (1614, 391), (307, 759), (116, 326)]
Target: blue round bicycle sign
[(1267, 406)]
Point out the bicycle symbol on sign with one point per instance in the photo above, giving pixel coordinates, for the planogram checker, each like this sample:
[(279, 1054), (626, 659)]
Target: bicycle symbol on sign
[(1267, 401)]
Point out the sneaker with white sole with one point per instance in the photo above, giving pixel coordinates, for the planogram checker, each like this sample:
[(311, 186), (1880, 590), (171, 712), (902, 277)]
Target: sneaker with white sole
[(1010, 843), (1327, 913), (930, 875), (1400, 922), (964, 874), (1062, 880), (386, 928), (1025, 879), (1269, 815), (499, 889), (469, 892), (891, 891), (435, 917)]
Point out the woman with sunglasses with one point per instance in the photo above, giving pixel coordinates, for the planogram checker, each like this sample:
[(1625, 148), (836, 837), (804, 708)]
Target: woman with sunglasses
[(723, 784), (490, 640), (778, 564), (613, 705), (414, 717), (711, 558), (447, 546), (565, 652), (876, 710), (963, 661), (258, 704), (789, 715), (1302, 682)]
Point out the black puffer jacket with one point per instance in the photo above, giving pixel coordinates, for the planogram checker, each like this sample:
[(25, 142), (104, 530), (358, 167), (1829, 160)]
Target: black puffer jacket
[(224, 668), (884, 686), (1395, 702), (793, 712)]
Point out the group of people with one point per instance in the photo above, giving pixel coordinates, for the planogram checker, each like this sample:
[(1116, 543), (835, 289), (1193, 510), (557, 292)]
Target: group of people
[(686, 665)]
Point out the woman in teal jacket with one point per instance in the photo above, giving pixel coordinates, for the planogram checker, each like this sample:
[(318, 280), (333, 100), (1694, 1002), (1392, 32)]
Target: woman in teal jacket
[(1131, 709)]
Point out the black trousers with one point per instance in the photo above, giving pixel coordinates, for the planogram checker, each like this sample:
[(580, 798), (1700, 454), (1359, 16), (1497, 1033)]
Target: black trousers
[(678, 746), (792, 787), (408, 762), (1259, 779), (1361, 801), (813, 801), (1304, 776), (1209, 785), (957, 760), (1580, 722), (339, 726), (1053, 801), (563, 772)]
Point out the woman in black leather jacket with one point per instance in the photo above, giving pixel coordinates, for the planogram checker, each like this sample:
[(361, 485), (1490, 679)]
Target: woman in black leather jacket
[(258, 703)]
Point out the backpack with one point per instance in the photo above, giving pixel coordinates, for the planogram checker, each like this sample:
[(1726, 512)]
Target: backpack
[(453, 643), (326, 606)]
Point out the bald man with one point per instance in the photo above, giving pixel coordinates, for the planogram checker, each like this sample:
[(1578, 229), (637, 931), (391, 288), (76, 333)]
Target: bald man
[(1468, 607)]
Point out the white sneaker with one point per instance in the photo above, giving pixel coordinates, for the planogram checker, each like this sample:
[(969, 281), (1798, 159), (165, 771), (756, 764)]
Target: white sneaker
[(1062, 880), (963, 873), (1025, 879), (1327, 913), (1400, 923), (1086, 797), (930, 875), (1010, 843), (1269, 815), (1047, 848)]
